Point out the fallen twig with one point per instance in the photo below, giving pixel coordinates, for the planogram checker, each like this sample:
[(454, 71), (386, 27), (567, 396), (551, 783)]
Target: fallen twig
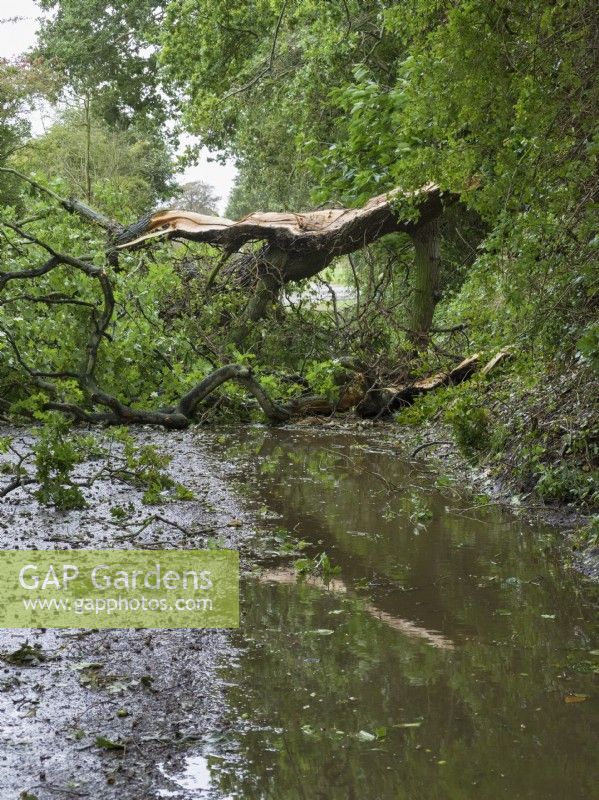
[(415, 452)]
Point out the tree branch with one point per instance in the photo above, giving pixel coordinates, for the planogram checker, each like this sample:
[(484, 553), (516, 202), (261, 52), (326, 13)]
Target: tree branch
[(119, 412), (72, 205), (269, 65)]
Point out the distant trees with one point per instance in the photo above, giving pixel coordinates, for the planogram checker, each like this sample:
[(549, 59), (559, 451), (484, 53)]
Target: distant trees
[(124, 172), (198, 196), (20, 82), (107, 52)]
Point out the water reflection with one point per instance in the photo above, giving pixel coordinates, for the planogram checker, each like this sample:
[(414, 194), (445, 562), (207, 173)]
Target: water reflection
[(195, 778), (289, 576), (332, 700)]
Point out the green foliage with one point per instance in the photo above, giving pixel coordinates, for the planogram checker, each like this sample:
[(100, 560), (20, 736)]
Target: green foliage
[(57, 453), (470, 422), (308, 102), (424, 408), (420, 513), (464, 408), (323, 378), (588, 345), (588, 536), (145, 468), (128, 169), (320, 566), (317, 102), (257, 90), (13, 125), (505, 125), (148, 355), (566, 484), (58, 450), (198, 196), (106, 53), (20, 83)]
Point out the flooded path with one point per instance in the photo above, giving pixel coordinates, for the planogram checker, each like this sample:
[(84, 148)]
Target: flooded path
[(436, 649), (450, 657)]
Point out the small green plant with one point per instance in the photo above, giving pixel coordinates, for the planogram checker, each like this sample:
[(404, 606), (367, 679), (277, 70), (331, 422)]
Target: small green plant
[(322, 377), (144, 467), (121, 513), (51, 462), (420, 514), (57, 452), (590, 532), (319, 566), (567, 484), (216, 543), (424, 408), (26, 656), (587, 538)]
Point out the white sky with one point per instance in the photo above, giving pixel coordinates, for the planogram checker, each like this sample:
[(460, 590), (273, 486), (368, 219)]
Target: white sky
[(16, 37)]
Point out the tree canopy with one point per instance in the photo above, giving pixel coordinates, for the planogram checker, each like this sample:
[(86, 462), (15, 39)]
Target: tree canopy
[(107, 51)]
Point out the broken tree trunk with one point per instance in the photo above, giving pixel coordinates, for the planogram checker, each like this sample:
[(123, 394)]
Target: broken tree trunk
[(300, 245), (296, 245), (310, 241), (375, 401), (406, 393), (394, 397)]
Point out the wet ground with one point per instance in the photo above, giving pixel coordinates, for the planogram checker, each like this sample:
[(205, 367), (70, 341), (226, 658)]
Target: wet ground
[(439, 650), (158, 693)]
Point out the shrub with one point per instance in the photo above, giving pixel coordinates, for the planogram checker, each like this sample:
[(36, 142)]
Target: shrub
[(470, 424)]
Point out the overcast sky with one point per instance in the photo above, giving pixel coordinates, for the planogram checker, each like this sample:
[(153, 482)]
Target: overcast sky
[(17, 36)]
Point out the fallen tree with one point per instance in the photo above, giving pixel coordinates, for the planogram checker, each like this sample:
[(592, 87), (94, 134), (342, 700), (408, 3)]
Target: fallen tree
[(100, 406), (378, 399), (300, 245), (308, 241), (295, 246)]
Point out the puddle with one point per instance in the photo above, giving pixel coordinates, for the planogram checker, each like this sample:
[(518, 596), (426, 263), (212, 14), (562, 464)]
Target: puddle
[(451, 656), (195, 779)]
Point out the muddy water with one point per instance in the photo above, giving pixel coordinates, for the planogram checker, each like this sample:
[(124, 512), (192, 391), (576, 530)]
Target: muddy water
[(450, 657)]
